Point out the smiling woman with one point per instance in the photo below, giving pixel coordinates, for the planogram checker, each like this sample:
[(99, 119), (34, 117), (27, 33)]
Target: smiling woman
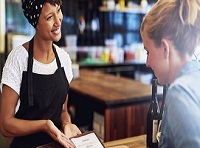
[(35, 83)]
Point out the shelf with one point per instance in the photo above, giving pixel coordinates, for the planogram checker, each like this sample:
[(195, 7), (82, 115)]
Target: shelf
[(125, 10)]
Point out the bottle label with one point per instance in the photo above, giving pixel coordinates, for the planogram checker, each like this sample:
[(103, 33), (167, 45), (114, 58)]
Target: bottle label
[(154, 131)]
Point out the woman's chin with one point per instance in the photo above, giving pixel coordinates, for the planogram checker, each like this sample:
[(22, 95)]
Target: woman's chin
[(56, 39)]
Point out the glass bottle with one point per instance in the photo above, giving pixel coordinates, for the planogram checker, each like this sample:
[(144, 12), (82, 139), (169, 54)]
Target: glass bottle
[(153, 118)]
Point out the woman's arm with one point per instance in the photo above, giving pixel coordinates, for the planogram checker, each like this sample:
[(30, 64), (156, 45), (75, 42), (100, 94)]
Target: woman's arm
[(69, 129), (65, 117), (11, 126)]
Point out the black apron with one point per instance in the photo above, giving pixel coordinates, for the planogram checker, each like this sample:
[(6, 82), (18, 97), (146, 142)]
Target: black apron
[(42, 97)]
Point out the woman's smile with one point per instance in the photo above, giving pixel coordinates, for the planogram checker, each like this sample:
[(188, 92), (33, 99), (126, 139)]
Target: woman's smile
[(56, 31)]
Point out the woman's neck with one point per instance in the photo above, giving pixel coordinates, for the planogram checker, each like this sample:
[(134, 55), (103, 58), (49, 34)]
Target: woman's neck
[(177, 62), (43, 51)]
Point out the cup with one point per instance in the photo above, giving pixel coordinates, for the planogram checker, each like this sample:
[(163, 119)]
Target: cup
[(75, 70), (111, 4)]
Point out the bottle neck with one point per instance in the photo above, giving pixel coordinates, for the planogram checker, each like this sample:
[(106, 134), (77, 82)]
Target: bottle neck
[(154, 101)]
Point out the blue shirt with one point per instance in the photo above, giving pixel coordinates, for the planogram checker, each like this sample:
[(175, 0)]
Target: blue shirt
[(180, 126)]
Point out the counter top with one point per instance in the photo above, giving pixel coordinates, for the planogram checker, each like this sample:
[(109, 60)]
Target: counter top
[(132, 142), (109, 89)]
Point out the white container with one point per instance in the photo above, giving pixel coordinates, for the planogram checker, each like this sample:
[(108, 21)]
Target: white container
[(71, 40), (120, 55), (111, 4), (75, 70), (144, 4), (72, 51)]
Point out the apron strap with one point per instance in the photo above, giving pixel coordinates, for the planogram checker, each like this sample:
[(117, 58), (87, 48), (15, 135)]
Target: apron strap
[(30, 69), (56, 55), (30, 77)]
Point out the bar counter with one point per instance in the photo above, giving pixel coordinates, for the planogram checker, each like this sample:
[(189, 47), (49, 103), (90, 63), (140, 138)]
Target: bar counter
[(132, 142), (116, 106)]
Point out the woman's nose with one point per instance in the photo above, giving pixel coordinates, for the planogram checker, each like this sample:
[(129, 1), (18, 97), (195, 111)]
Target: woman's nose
[(58, 20)]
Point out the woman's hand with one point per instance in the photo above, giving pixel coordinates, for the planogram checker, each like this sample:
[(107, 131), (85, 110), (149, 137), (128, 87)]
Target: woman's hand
[(70, 130), (57, 135)]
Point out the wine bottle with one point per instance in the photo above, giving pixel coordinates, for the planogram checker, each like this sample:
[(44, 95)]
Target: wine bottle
[(153, 118)]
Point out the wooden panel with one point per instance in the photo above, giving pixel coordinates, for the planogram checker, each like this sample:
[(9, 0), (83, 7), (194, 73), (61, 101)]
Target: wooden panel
[(125, 121)]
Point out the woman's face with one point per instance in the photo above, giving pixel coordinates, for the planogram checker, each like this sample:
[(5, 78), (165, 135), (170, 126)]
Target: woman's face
[(49, 23), (156, 58)]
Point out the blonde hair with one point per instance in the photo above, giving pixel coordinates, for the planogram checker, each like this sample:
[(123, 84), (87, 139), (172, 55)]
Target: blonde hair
[(177, 20)]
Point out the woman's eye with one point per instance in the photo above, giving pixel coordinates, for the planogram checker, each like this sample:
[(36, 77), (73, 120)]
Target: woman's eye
[(48, 18), (59, 9)]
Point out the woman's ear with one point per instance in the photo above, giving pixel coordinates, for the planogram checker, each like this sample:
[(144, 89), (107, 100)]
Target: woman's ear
[(165, 46)]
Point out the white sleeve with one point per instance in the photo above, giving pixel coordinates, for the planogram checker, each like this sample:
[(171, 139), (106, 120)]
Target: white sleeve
[(68, 69), (13, 69)]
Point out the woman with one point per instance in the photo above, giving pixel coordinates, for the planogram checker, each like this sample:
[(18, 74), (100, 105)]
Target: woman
[(35, 83), (171, 33)]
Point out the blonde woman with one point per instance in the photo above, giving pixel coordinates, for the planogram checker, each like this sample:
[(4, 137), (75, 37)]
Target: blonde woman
[(171, 33)]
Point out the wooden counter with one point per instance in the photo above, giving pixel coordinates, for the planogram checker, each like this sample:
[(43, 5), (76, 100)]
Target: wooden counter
[(110, 90), (132, 142), (121, 101)]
